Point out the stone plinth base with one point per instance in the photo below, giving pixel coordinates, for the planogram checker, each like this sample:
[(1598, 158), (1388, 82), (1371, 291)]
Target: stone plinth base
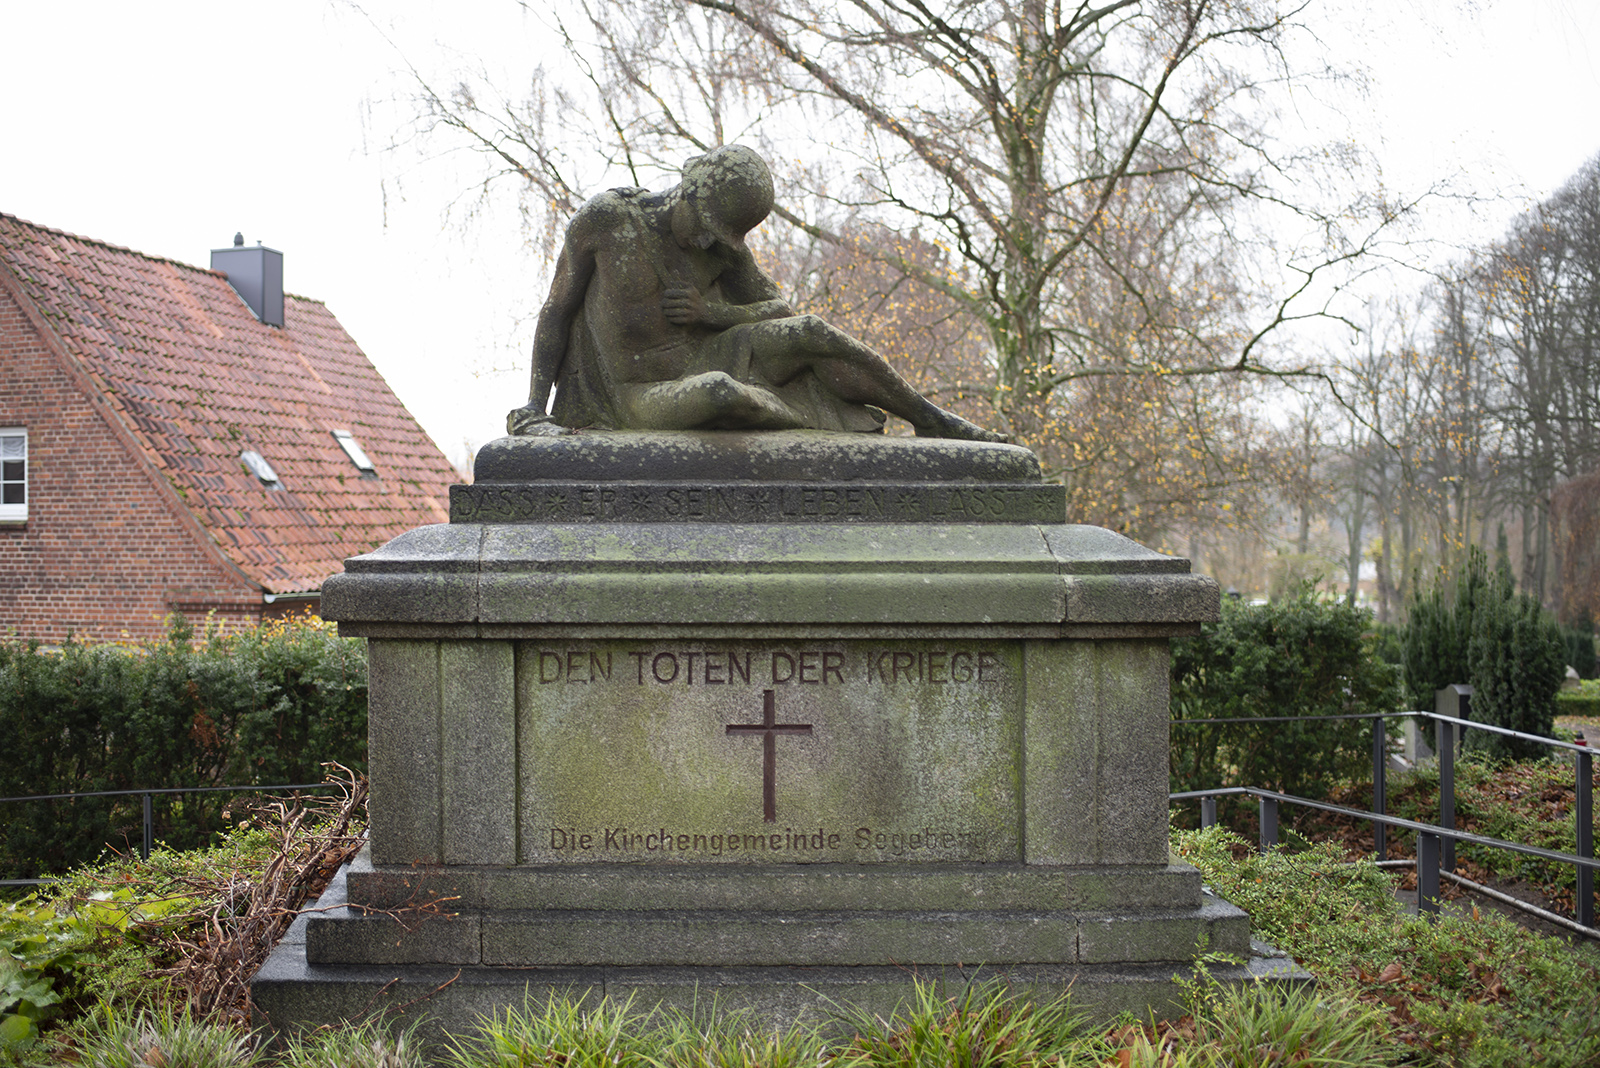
[(820, 915), (781, 720), (451, 998)]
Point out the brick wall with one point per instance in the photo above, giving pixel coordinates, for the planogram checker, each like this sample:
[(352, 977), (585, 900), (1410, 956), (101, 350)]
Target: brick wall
[(102, 555)]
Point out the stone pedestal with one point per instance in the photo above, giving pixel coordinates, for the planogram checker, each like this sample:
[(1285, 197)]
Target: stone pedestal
[(775, 718)]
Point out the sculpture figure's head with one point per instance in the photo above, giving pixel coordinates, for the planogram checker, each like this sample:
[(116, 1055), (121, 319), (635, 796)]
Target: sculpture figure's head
[(729, 191)]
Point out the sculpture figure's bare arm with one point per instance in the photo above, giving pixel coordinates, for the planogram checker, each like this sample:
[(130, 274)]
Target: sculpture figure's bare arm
[(751, 297), (574, 268)]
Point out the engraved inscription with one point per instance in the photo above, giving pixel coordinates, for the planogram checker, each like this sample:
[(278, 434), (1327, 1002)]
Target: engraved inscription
[(937, 667), (894, 843), (579, 502), (666, 840), (895, 750), (778, 667)]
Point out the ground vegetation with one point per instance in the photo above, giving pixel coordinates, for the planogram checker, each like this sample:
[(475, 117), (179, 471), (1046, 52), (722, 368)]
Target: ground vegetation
[(259, 706)]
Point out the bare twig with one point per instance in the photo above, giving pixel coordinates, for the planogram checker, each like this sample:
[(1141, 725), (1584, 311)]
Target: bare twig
[(219, 946)]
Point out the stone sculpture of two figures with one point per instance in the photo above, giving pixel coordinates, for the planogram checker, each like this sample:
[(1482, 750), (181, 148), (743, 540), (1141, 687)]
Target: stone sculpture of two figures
[(659, 318)]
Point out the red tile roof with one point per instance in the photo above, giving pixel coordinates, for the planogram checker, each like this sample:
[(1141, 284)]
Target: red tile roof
[(198, 379)]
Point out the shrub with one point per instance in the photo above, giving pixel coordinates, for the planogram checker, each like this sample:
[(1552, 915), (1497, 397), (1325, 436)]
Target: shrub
[(1438, 630), (263, 706), (1516, 662), (1301, 657), (1388, 645), (1579, 640), (1503, 644), (1583, 702)]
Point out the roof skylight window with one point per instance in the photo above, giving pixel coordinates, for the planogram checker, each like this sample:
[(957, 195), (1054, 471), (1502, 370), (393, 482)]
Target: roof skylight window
[(352, 448), (260, 468)]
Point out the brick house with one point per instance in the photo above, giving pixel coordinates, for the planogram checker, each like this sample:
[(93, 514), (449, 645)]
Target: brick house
[(180, 439)]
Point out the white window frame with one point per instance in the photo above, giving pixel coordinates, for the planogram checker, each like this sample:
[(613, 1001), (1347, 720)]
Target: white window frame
[(17, 513), (352, 448), (259, 466)]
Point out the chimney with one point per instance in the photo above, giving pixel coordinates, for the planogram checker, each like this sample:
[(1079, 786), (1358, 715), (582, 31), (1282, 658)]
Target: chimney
[(256, 274)]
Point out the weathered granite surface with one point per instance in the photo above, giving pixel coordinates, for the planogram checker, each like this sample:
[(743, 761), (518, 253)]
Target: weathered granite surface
[(788, 456), (734, 756), (503, 580), (615, 752), (290, 987), (781, 477)]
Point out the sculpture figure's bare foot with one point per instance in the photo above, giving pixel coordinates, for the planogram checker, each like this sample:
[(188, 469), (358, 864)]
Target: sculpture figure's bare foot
[(950, 425)]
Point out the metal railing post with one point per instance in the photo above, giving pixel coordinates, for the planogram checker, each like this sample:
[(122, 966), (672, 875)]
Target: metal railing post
[(1427, 874), (1445, 736), (1208, 812), (1380, 786), (149, 827), (1269, 824), (1584, 817)]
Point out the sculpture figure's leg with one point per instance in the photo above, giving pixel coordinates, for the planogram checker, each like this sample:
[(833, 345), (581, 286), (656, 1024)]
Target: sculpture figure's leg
[(712, 400), (783, 349)]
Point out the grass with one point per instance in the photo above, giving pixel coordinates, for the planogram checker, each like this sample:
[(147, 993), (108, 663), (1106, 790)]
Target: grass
[(985, 1026), (156, 1038), (1392, 989), (1468, 991)]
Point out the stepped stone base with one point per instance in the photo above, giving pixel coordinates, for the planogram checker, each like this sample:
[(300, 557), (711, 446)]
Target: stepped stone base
[(807, 916), (451, 998)]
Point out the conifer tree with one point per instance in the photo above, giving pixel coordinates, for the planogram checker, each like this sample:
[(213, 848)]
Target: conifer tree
[(1503, 644), (1517, 662), (1439, 630)]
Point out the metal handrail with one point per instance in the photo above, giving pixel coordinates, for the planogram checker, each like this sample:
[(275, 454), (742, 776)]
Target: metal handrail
[(1429, 842), (148, 840), (1435, 843), (171, 790), (1393, 821), (1554, 743)]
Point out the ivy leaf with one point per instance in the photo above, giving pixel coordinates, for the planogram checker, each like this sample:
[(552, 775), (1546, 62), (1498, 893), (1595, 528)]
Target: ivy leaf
[(16, 1031), (36, 996)]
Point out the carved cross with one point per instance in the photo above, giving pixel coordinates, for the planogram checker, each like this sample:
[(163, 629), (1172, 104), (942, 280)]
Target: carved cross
[(769, 728)]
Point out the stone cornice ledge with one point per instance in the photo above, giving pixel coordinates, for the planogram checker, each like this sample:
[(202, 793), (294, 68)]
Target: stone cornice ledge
[(751, 580)]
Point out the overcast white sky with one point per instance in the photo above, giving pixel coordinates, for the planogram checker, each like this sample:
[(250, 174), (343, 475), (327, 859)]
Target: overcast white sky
[(168, 125)]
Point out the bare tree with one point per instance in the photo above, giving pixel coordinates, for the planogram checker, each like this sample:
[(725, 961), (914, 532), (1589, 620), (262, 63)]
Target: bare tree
[(1543, 304), (1480, 428), (1383, 383), (1027, 140)]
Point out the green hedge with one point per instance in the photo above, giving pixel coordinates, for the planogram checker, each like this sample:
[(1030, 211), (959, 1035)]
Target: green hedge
[(1579, 640), (1518, 662), (1298, 657), (261, 706), (1583, 701)]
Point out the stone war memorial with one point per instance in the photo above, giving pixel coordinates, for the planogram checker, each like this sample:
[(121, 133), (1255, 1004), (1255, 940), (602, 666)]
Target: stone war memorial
[(710, 693)]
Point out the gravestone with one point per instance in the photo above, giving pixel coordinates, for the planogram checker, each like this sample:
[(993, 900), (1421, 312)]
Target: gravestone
[(778, 718)]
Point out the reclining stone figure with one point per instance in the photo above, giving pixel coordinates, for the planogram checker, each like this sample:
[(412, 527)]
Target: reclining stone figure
[(659, 318)]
